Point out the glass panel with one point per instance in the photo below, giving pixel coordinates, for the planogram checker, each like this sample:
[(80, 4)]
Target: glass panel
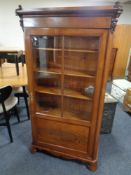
[(49, 105), (79, 87), (47, 53), (47, 42), (77, 109), (48, 83), (81, 55), (81, 43), (80, 64)]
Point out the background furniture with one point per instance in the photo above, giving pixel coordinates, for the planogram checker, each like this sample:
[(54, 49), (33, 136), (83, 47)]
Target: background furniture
[(127, 100), (8, 75), (19, 83), (8, 102), (67, 65), (110, 104), (119, 87), (13, 55), (129, 70), (112, 62)]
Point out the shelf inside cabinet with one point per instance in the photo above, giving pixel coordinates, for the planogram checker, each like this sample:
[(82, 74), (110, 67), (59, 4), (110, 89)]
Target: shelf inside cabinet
[(49, 70), (81, 50), (53, 112), (79, 73), (49, 49), (68, 50), (67, 92), (75, 94), (76, 116), (48, 90)]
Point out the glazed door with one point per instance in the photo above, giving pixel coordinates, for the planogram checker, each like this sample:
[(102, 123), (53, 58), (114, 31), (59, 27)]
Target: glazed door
[(47, 70), (67, 67)]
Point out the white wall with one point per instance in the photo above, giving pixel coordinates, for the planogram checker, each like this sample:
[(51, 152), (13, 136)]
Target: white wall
[(11, 34)]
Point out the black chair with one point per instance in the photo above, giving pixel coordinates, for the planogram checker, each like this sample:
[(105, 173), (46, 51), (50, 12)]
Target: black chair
[(8, 104)]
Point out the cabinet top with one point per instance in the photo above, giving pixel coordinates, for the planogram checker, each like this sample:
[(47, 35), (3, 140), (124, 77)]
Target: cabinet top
[(108, 11)]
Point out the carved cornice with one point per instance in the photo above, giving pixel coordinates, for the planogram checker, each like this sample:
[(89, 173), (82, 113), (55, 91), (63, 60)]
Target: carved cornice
[(95, 11), (21, 18)]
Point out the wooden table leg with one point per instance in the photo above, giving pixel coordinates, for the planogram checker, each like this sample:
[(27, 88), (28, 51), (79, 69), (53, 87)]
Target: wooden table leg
[(17, 65)]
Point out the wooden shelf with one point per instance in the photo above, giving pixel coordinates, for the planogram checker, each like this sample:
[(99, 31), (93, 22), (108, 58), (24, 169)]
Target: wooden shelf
[(78, 74), (48, 111), (49, 70), (81, 50), (56, 112), (57, 91), (48, 90), (75, 94), (66, 72), (49, 49), (77, 116), (68, 50)]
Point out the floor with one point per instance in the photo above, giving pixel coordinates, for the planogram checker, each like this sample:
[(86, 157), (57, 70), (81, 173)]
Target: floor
[(16, 158)]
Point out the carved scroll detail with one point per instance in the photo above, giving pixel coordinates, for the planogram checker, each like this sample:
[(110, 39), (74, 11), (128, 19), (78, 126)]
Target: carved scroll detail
[(21, 19), (118, 11)]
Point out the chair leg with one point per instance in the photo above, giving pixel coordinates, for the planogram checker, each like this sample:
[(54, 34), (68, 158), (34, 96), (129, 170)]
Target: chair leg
[(18, 100), (26, 102), (16, 113), (9, 128)]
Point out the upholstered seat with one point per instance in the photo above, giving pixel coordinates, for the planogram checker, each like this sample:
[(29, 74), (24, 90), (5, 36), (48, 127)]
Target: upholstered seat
[(7, 103)]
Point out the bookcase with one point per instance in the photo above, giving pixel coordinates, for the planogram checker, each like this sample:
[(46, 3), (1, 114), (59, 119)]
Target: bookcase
[(68, 54)]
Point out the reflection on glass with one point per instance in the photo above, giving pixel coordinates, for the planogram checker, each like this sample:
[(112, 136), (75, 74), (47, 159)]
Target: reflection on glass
[(81, 43), (78, 87), (48, 104), (47, 53), (48, 83), (81, 58), (77, 109), (47, 42), (81, 64)]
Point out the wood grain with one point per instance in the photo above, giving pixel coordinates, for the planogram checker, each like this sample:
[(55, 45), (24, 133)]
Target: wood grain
[(8, 75)]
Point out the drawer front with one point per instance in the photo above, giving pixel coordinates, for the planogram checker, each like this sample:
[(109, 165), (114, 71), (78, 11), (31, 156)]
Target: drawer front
[(57, 133)]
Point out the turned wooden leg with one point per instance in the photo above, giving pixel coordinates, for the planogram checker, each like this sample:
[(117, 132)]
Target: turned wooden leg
[(33, 149), (92, 166)]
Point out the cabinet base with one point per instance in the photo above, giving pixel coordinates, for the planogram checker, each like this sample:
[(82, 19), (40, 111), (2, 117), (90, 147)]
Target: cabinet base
[(33, 149), (91, 165)]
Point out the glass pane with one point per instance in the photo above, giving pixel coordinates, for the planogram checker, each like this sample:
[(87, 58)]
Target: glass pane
[(81, 55), (77, 109), (48, 105), (79, 87), (47, 53), (47, 42), (81, 43), (48, 83), (81, 64)]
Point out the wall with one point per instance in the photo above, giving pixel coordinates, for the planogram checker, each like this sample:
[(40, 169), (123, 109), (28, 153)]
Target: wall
[(11, 34), (122, 41)]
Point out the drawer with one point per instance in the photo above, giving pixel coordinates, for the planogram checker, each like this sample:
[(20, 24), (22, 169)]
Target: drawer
[(61, 134)]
